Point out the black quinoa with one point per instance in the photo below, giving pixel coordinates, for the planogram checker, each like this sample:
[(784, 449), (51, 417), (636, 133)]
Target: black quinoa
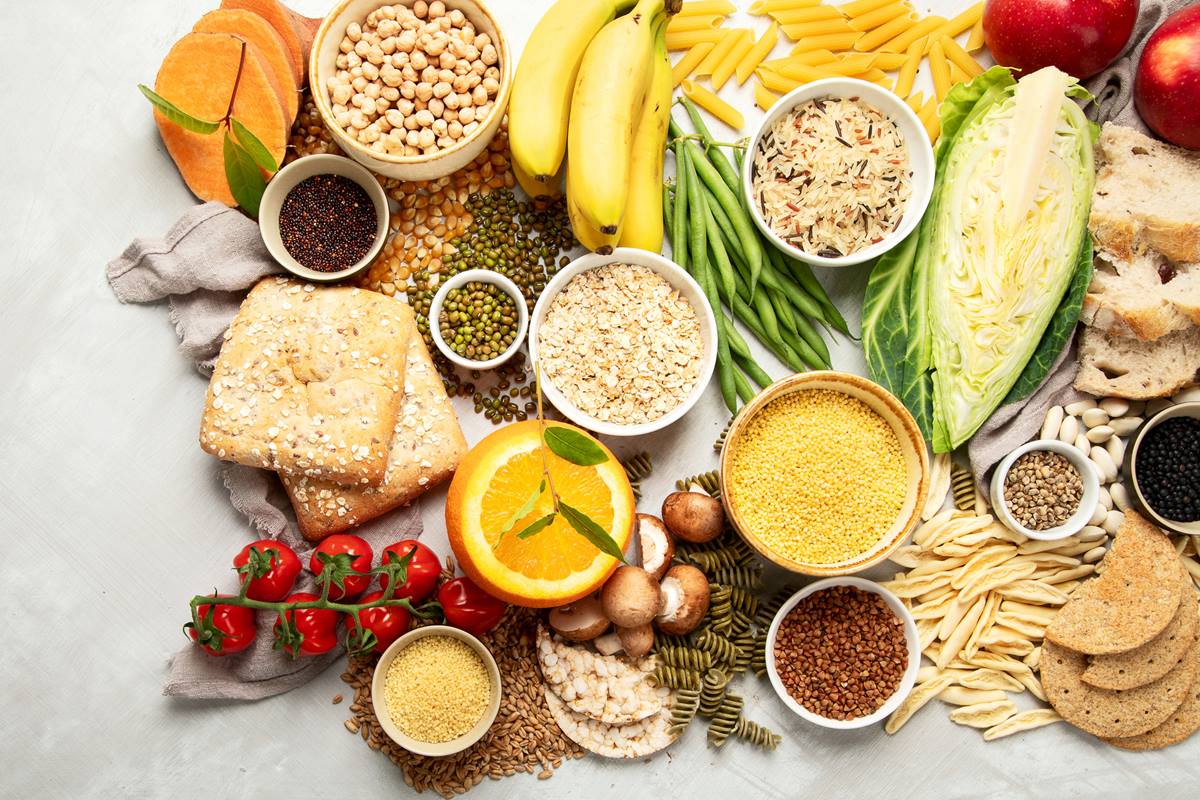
[(1168, 469), (327, 222)]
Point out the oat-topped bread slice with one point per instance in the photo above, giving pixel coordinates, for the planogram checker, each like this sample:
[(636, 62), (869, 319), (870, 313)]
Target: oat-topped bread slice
[(309, 382), (426, 447), (1131, 602), (1120, 366)]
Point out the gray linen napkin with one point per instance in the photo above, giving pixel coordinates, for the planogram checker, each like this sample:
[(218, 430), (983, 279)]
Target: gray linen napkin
[(203, 268)]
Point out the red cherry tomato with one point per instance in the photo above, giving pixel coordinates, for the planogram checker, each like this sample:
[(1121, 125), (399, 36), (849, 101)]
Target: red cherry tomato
[(271, 568), (315, 628), (386, 623), (470, 608), (423, 569), (222, 630), (343, 554)]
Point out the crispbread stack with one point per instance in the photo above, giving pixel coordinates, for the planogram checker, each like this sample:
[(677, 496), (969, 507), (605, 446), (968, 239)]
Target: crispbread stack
[(1121, 659)]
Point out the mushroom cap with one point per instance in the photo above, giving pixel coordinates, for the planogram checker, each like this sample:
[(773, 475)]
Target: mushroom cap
[(580, 621), (685, 600), (656, 545), (636, 642), (693, 516), (631, 597)]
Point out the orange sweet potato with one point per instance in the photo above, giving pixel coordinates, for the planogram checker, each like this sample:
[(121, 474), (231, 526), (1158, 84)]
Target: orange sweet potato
[(283, 20), (255, 30), (209, 75)]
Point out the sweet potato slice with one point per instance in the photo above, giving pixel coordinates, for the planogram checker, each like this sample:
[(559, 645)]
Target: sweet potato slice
[(201, 74), (283, 20), (255, 30)]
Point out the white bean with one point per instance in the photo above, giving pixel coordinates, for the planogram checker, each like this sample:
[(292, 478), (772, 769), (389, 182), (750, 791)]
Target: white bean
[(1094, 417), (1113, 522), (1094, 555), (1125, 425), (1082, 444), (1105, 500), (1080, 406), (1100, 434), (1098, 515), (1120, 496), (1187, 395), (1104, 462), (1115, 406), (1092, 533), (1068, 430), (1054, 418), (1116, 449)]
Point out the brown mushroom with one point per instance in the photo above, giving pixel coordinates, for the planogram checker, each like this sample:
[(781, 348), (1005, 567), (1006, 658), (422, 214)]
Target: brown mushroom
[(636, 642), (631, 597), (685, 600), (693, 516), (656, 545), (580, 621)]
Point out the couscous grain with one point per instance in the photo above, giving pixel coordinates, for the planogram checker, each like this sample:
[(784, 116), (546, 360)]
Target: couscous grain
[(437, 689)]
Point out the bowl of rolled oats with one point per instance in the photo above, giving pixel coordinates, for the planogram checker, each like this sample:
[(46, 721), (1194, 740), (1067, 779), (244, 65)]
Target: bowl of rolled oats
[(625, 342)]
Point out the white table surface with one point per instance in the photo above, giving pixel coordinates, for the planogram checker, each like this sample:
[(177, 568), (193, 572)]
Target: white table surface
[(112, 517)]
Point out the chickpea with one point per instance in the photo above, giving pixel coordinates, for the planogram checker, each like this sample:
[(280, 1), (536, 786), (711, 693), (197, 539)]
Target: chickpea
[(420, 9), (390, 93), (346, 46), (404, 106), (409, 73), (451, 102), (418, 60), (424, 118), (479, 95), (466, 115), (437, 9), (426, 139), (362, 47), (388, 45), (443, 24), (440, 127), (447, 60), (436, 107), (368, 134), (470, 128), (491, 86), (424, 91), (437, 45), (450, 115), (411, 151), (359, 83), (377, 147), (356, 72), (388, 12), (406, 41), (441, 89), (395, 118), (482, 40), (353, 60), (445, 141), (375, 55), (370, 72), (353, 32), (457, 18), (410, 123), (340, 62), (358, 120), (391, 76), (408, 90), (412, 138), (493, 73), (388, 27), (429, 75)]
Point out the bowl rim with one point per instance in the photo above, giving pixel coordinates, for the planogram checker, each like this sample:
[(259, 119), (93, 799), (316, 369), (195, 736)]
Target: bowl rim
[(481, 276), (907, 429), (1087, 503), (435, 749), (911, 637), (1191, 409), (320, 97), (281, 185), (923, 166), (674, 274)]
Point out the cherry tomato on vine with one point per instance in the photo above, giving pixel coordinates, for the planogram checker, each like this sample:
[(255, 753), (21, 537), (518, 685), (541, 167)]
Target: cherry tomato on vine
[(423, 569), (470, 608), (222, 630), (341, 555), (271, 568), (382, 624), (313, 629)]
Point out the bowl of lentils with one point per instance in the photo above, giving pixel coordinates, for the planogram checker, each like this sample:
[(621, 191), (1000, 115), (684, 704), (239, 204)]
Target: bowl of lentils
[(1162, 468), (1045, 489), (478, 319)]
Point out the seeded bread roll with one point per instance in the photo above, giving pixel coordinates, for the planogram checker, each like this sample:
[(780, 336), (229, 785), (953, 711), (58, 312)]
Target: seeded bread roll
[(1118, 366), (309, 382)]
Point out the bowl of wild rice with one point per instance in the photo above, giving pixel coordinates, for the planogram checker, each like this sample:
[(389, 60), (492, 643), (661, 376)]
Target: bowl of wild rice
[(839, 172)]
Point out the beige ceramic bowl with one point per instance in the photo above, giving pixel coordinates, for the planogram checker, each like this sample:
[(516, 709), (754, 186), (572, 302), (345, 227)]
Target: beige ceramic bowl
[(322, 65), (435, 749), (912, 447), (1130, 467)]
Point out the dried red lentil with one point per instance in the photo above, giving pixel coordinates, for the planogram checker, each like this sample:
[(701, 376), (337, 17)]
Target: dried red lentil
[(818, 476)]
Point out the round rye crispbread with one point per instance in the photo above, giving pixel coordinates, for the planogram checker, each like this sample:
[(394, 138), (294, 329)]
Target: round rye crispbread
[(1112, 714), (1131, 602), (1179, 726), (1155, 658)]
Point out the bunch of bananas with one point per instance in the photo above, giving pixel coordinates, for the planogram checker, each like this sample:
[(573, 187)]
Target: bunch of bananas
[(590, 105)]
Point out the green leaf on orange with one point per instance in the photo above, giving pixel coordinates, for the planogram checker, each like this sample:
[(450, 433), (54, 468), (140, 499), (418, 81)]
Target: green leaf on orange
[(246, 182), (254, 146), (177, 114), (588, 529), (573, 446), (537, 526)]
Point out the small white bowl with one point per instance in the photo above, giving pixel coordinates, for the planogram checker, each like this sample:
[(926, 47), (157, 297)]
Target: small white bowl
[(299, 170), (687, 288), (910, 637), (1129, 465), (920, 160), (1087, 503), (457, 282), (435, 749)]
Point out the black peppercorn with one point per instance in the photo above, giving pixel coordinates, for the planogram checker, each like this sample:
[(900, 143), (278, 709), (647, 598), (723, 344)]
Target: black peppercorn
[(1168, 469)]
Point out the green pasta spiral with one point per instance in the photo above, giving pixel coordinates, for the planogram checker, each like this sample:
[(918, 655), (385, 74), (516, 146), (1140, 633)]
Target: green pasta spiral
[(756, 734), (720, 442), (663, 640), (675, 678), (741, 620), (758, 659), (962, 484), (686, 658), (683, 709), (745, 576), (712, 691), (714, 560), (768, 610), (725, 720), (723, 650), (708, 481), (743, 599), (638, 466), (720, 608)]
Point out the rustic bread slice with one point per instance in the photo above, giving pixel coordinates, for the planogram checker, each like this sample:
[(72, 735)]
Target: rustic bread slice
[(1131, 602), (1178, 727), (1133, 210), (1145, 297), (1117, 366)]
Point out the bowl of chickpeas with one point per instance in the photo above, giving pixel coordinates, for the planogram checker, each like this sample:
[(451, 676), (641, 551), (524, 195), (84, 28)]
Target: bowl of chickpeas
[(412, 89)]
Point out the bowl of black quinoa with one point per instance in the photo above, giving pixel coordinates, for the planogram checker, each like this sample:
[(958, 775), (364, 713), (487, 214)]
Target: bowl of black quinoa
[(324, 218), (1162, 465)]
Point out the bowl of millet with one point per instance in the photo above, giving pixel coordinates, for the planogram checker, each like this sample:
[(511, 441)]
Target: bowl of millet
[(1162, 468)]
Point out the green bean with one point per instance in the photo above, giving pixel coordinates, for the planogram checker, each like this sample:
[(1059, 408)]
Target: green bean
[(752, 369), (746, 233), (803, 274), (679, 218), (777, 346), (719, 161), (737, 345), (796, 293), (809, 356), (744, 390), (715, 245), (783, 311), (668, 204)]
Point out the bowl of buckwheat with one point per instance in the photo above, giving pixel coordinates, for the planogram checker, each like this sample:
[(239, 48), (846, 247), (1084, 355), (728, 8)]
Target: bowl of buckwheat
[(624, 343), (412, 89)]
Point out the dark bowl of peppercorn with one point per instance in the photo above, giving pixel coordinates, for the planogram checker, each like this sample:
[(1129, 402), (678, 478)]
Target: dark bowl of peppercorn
[(324, 218), (1162, 468)]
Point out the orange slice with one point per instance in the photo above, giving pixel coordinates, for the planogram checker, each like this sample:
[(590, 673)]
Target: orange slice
[(557, 565)]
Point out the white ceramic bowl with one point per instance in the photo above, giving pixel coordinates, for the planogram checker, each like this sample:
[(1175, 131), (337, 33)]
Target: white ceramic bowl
[(687, 288), (1191, 409), (301, 169), (906, 682), (920, 159), (1087, 504), (322, 65), (435, 749), (482, 276)]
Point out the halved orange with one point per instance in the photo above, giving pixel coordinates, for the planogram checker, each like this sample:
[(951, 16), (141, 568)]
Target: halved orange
[(557, 565)]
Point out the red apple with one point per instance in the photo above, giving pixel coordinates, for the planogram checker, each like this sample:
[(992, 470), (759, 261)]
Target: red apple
[(1080, 37), (1167, 88)]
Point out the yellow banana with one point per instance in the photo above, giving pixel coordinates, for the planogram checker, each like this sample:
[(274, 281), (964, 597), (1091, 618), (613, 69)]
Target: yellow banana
[(539, 189), (584, 231), (608, 96), (643, 224), (541, 97)]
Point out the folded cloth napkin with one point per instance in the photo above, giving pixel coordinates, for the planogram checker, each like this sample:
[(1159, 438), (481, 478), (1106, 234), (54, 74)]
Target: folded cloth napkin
[(203, 268)]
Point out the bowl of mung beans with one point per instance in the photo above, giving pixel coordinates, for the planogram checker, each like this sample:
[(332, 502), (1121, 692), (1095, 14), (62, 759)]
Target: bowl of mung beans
[(824, 473), (478, 319), (436, 690)]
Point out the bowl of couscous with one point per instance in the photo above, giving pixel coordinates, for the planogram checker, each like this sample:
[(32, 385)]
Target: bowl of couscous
[(824, 473), (436, 691)]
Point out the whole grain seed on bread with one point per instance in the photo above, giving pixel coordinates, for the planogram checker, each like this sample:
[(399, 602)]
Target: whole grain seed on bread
[(309, 382)]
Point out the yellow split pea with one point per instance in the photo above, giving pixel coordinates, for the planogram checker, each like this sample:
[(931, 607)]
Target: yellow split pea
[(818, 476), (437, 689)]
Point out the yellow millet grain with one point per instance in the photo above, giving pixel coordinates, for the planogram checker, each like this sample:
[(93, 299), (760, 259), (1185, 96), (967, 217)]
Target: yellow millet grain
[(818, 476), (436, 689)]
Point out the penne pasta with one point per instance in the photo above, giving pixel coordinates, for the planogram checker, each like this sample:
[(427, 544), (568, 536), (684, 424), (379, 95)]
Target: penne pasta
[(800, 72), (689, 39), (874, 75), (818, 28), (962, 22), (719, 52), (873, 39), (930, 119), (957, 76), (763, 97), (908, 72), (725, 68), (881, 15), (915, 101), (939, 68), (755, 55), (900, 43), (975, 40), (813, 58), (721, 7), (761, 7), (683, 67), (829, 41), (889, 61), (698, 22), (777, 82), (855, 64), (960, 58), (713, 105), (795, 15), (860, 7)]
